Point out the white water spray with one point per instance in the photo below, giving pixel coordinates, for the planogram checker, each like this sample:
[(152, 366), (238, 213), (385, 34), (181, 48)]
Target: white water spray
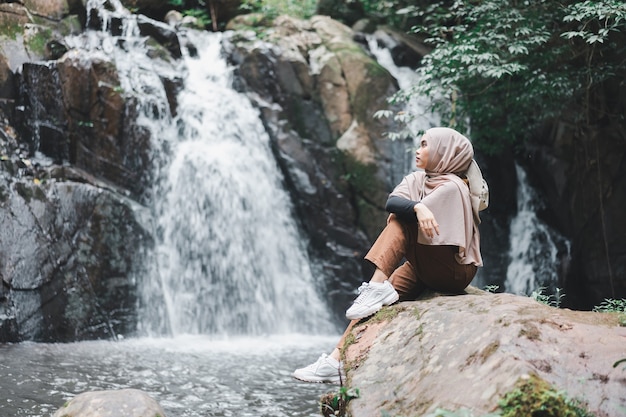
[(534, 247), (228, 256), (418, 107)]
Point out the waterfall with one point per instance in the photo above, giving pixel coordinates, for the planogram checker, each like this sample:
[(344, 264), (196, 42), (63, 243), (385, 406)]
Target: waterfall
[(536, 250), (228, 256), (419, 119)]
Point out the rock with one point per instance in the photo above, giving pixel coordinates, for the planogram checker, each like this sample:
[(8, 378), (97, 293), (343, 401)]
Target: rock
[(82, 286), (467, 351), (13, 19), (51, 9), (407, 50), (117, 403), (164, 34), (7, 80)]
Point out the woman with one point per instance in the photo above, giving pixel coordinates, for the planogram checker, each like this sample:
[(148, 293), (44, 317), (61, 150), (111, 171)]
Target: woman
[(431, 225)]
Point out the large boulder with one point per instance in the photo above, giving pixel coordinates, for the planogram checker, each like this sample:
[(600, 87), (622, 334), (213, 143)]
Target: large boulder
[(113, 403), (70, 253), (468, 351)]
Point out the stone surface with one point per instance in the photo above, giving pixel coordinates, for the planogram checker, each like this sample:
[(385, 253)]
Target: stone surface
[(467, 351), (82, 286), (51, 9), (118, 403)]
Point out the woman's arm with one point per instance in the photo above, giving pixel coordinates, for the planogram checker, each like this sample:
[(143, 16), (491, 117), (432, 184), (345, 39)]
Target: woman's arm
[(401, 207)]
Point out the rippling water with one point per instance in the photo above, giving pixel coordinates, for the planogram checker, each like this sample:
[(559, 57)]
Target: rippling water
[(189, 376)]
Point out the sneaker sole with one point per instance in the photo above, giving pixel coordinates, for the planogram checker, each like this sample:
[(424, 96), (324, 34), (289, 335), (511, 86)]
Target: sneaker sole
[(318, 380), (388, 301)]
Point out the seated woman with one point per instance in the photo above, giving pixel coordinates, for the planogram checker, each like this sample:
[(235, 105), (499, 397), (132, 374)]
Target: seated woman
[(431, 227)]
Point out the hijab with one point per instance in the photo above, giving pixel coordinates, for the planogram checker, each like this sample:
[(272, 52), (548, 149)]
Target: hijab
[(440, 188)]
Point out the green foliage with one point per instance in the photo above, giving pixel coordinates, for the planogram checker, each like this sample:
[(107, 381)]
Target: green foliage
[(194, 8), (302, 9), (505, 66), (535, 397), (37, 41), (335, 404), (10, 29), (552, 300), (401, 14), (610, 305)]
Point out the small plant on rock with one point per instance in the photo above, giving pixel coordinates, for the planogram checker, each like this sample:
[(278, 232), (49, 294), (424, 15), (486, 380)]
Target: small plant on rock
[(335, 403), (535, 397), (552, 300), (610, 305)]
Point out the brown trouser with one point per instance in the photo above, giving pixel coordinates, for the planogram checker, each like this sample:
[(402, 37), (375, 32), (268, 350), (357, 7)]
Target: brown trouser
[(425, 266)]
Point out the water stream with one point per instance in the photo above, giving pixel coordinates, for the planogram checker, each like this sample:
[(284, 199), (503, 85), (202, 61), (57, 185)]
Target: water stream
[(190, 376), (537, 251)]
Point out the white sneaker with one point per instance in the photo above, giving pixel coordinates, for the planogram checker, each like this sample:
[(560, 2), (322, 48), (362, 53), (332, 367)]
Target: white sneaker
[(325, 369), (372, 296)]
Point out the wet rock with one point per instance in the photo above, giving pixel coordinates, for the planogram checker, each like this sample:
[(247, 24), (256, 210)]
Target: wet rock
[(467, 351), (82, 286), (113, 403), (162, 33), (75, 111)]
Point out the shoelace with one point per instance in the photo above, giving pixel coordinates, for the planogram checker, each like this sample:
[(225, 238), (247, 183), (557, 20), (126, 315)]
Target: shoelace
[(362, 290)]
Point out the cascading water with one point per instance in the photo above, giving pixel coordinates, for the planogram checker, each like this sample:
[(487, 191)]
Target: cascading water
[(536, 250), (421, 118), (418, 106), (229, 258)]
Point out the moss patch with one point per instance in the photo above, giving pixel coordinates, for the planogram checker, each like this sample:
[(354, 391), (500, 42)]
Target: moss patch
[(10, 29), (534, 397), (37, 43)]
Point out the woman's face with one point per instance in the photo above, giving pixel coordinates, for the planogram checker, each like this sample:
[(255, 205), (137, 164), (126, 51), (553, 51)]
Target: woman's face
[(421, 154)]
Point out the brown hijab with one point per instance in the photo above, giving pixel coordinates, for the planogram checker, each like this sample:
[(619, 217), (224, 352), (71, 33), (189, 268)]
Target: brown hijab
[(441, 189)]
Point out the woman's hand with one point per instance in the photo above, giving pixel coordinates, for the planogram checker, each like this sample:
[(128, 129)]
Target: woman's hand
[(426, 220)]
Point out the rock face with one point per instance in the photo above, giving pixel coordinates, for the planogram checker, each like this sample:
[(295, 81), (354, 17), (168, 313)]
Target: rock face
[(126, 402), (467, 351), (581, 174), (74, 227), (69, 255), (317, 90)]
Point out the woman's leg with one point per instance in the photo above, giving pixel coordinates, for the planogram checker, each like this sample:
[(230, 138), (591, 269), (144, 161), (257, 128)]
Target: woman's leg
[(390, 248), (386, 254)]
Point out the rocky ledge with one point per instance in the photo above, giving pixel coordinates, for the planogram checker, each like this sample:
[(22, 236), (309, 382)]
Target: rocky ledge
[(468, 351)]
